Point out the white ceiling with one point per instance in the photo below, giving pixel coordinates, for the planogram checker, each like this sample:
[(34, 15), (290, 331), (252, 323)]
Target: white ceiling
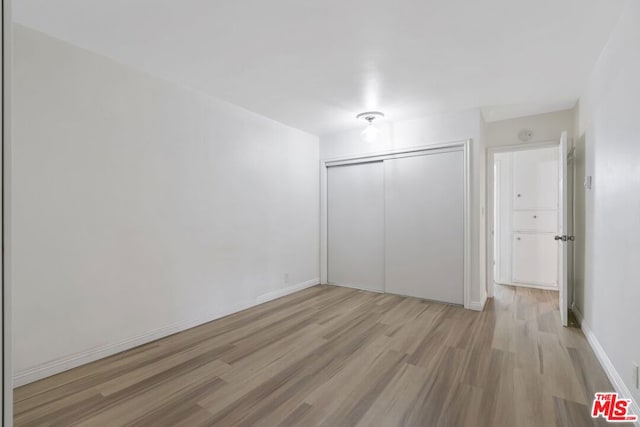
[(315, 64)]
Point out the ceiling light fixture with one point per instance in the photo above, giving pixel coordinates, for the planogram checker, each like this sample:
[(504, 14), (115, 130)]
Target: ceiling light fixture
[(370, 133)]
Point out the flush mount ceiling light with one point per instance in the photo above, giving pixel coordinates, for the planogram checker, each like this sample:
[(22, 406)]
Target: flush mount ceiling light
[(371, 133)]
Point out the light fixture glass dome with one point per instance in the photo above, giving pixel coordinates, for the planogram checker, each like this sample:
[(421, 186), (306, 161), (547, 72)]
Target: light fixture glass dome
[(370, 133)]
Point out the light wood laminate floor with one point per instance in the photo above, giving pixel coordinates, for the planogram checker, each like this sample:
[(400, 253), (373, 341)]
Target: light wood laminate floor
[(334, 356)]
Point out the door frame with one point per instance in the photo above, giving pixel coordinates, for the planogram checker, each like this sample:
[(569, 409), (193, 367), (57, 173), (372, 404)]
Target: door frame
[(490, 197), (6, 371), (390, 154)]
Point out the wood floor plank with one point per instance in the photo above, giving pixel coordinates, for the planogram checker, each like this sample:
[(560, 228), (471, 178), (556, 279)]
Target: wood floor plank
[(356, 369), (144, 398), (394, 403), (469, 413), (340, 357), (351, 410)]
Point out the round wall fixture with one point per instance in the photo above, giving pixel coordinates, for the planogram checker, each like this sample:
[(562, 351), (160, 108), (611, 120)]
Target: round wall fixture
[(525, 135)]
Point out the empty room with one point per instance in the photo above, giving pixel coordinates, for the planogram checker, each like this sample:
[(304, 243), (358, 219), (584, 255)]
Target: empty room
[(340, 213)]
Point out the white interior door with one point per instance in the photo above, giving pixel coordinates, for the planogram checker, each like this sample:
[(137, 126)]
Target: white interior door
[(355, 239), (424, 226), (563, 230)]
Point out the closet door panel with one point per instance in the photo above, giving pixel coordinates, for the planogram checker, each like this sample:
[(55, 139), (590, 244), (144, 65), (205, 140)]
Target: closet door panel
[(424, 226), (355, 202), (535, 179), (535, 259)]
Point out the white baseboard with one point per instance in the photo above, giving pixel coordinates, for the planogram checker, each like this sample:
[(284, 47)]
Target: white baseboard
[(477, 305), (286, 291), (609, 369), (72, 361), (577, 313), (360, 288), (533, 286)]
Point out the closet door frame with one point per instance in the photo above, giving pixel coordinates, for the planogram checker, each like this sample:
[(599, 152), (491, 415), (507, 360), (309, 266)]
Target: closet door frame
[(463, 145)]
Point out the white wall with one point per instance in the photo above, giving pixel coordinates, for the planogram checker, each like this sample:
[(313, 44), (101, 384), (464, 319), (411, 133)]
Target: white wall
[(545, 127), (609, 118), (424, 131), (141, 208), (579, 225)]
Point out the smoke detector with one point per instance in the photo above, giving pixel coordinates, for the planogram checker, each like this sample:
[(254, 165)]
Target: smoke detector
[(525, 135)]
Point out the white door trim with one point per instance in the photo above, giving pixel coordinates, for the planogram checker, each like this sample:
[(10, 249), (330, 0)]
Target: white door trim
[(6, 393), (413, 151), (491, 151)]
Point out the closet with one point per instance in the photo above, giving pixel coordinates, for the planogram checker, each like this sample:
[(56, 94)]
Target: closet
[(355, 198), (396, 224)]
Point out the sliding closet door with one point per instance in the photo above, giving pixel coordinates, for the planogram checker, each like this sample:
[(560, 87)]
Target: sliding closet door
[(424, 226), (355, 202)]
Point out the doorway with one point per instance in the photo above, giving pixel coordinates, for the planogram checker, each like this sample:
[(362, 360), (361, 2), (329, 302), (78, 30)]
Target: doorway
[(526, 218), (529, 212)]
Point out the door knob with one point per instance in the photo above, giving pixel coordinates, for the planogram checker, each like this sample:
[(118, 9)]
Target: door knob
[(563, 238), (571, 238)]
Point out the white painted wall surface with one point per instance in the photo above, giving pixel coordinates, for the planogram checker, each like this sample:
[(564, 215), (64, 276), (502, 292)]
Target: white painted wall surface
[(424, 131), (579, 225), (141, 208), (545, 127), (609, 112)]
